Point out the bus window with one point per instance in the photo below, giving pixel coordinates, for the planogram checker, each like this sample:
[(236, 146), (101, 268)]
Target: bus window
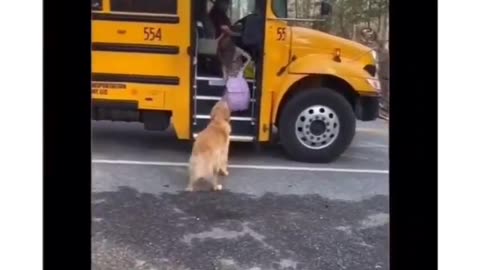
[(241, 8), (279, 8), (145, 6)]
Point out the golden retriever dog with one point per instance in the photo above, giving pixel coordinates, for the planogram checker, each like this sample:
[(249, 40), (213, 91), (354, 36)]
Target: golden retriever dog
[(209, 156)]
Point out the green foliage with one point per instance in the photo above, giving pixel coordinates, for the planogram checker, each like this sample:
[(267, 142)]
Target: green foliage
[(346, 14)]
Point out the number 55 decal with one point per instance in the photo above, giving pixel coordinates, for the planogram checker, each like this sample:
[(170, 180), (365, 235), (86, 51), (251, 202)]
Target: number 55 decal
[(152, 33), (281, 33)]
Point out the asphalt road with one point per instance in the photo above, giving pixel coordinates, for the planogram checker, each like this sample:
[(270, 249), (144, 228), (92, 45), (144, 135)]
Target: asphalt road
[(273, 213)]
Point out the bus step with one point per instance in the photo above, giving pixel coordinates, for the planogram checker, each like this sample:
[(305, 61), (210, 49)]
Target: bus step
[(216, 87), (205, 105), (216, 80), (233, 118), (235, 138), (214, 98), (240, 126)]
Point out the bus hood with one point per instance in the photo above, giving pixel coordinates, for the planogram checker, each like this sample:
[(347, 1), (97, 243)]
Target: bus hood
[(307, 41)]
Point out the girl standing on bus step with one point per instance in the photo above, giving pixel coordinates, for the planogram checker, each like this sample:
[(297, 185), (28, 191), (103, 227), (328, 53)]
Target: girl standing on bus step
[(237, 93)]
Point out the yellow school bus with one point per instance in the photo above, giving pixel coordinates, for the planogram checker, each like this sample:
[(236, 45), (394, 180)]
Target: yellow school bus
[(153, 61)]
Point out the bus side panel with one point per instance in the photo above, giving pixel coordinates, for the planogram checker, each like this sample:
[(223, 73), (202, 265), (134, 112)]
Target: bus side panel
[(146, 58)]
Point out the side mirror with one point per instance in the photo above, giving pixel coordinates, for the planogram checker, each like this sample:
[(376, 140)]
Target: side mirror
[(325, 9)]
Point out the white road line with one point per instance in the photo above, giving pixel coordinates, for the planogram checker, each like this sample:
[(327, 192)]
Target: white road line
[(378, 131), (241, 166), (374, 145)]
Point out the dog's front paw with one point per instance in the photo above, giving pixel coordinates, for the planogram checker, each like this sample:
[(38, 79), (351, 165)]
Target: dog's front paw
[(224, 172), (218, 187), (189, 189)]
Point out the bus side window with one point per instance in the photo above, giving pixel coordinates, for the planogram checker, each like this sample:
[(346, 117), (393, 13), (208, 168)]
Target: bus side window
[(280, 8), (97, 5), (145, 6)]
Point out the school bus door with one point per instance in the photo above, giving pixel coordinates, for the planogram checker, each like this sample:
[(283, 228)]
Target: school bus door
[(275, 61), (143, 46)]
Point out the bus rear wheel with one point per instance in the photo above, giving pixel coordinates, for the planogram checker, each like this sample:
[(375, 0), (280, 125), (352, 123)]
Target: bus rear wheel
[(316, 125)]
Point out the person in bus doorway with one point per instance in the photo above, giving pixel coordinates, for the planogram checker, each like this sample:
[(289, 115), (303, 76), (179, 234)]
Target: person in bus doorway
[(237, 92), (222, 24), (253, 33), (219, 18)]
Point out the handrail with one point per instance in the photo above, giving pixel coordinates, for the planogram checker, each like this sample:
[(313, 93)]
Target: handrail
[(297, 19)]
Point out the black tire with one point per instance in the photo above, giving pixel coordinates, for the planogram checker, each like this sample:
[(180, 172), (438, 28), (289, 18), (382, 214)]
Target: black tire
[(301, 101)]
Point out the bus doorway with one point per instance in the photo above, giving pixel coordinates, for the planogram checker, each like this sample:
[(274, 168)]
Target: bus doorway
[(209, 85)]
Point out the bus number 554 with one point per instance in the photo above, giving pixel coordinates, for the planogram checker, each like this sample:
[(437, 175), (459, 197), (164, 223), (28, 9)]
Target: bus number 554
[(152, 33)]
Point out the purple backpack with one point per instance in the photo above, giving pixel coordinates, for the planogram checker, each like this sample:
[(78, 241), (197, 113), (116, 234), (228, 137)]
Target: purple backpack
[(237, 93)]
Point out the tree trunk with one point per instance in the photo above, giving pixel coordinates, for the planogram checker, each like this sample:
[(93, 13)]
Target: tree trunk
[(369, 10), (382, 34)]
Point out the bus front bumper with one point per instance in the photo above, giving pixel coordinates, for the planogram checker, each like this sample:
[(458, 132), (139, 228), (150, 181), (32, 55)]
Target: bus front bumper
[(367, 108)]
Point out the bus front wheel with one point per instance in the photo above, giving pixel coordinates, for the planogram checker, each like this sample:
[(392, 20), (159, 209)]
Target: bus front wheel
[(316, 125)]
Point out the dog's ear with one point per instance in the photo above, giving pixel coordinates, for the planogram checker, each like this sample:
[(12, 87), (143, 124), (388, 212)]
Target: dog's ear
[(226, 117), (225, 110), (213, 111)]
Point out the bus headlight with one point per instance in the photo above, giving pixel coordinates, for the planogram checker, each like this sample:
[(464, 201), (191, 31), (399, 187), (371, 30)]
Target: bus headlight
[(375, 83), (374, 55), (376, 60)]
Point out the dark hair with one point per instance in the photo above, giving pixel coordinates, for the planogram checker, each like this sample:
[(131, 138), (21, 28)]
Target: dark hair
[(218, 3), (221, 2)]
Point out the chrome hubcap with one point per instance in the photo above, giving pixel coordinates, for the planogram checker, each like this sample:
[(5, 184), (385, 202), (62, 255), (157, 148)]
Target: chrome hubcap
[(317, 127)]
